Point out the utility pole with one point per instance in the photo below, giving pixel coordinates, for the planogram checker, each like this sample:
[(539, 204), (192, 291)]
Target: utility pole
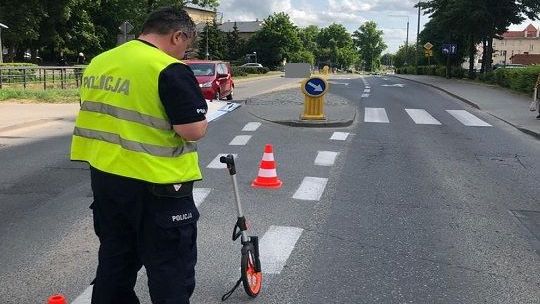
[(418, 39), (1, 47), (407, 40), (207, 29)]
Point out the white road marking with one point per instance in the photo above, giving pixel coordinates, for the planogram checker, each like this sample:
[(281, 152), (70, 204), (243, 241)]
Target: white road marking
[(422, 117), (367, 90), (339, 136), (215, 164), (365, 95), (251, 126), (376, 115), (240, 140), (326, 158), (467, 118), (311, 189), (200, 194), (276, 246)]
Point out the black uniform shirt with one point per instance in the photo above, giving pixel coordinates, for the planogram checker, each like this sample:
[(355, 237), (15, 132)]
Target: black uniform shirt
[(180, 94)]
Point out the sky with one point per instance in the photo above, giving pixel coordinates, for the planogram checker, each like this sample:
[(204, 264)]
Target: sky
[(390, 15)]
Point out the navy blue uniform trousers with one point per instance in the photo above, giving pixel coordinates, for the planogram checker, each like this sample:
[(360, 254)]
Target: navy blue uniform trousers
[(138, 224)]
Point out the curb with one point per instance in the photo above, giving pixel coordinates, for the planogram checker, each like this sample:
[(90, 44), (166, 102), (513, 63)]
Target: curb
[(526, 131), (309, 124), (472, 104), (29, 124)]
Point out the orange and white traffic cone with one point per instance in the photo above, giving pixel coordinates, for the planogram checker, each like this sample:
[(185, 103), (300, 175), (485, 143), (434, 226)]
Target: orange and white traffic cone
[(57, 299), (267, 177)]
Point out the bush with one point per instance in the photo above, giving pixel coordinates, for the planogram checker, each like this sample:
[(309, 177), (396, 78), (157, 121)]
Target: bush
[(517, 79), (243, 71), (14, 71)]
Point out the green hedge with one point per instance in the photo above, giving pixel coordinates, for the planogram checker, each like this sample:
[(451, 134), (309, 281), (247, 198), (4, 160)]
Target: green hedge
[(243, 71), (517, 79), (11, 71), (433, 70)]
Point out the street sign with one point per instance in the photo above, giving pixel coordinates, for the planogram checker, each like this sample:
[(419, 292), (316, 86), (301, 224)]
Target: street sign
[(315, 87), (428, 53), (428, 46), (126, 27), (449, 49)]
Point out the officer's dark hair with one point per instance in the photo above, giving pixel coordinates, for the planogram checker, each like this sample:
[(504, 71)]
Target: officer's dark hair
[(169, 19)]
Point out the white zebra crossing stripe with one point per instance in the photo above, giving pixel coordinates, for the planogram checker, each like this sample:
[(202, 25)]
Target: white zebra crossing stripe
[(311, 189), (200, 194), (326, 158), (422, 117), (365, 95), (240, 140), (467, 118), (215, 164), (376, 115), (339, 136), (251, 126), (367, 90), (276, 246)]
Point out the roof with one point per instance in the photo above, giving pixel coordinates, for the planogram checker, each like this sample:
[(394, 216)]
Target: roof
[(526, 59), (198, 7), (243, 26), (522, 34)]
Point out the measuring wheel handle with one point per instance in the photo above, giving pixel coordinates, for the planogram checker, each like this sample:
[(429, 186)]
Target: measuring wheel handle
[(229, 161)]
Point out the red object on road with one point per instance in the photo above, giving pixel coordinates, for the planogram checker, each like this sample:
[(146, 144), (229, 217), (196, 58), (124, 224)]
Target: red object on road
[(267, 177), (57, 299), (215, 78)]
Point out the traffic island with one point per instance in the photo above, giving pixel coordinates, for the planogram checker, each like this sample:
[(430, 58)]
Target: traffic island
[(285, 107)]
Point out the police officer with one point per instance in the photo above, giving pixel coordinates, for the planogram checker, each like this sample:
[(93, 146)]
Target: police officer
[(142, 111)]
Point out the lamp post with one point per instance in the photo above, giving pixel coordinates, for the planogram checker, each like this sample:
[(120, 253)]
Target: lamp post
[(407, 40), (418, 39), (1, 47)]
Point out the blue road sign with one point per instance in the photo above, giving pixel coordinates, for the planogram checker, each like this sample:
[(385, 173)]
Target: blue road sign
[(449, 49), (315, 87)]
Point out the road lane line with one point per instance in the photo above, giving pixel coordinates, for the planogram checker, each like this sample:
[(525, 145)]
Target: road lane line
[(215, 164), (326, 158), (200, 194), (311, 189), (376, 115), (276, 246), (367, 91), (251, 126), (240, 140), (422, 117), (365, 95), (339, 136), (467, 118)]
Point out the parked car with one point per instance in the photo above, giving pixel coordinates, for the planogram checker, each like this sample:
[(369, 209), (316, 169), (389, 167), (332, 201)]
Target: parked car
[(251, 65), (214, 77)]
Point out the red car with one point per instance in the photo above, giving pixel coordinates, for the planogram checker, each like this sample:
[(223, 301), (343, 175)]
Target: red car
[(214, 77)]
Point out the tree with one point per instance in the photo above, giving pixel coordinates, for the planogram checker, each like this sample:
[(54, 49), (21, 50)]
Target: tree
[(370, 42), (212, 40), (402, 56), (276, 40), (235, 45), (387, 59)]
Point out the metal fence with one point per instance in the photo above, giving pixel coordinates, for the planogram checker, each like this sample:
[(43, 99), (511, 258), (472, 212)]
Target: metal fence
[(40, 77)]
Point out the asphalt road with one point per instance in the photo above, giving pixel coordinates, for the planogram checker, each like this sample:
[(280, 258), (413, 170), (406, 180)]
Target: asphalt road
[(410, 213)]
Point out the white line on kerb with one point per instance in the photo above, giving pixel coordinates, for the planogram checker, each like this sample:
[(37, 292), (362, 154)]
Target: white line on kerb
[(468, 119), (251, 126), (215, 164), (276, 246), (376, 115), (200, 194), (311, 189), (339, 136), (240, 140), (422, 117), (326, 158)]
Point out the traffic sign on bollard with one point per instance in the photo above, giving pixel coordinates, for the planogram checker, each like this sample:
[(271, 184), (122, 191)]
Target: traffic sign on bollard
[(314, 89)]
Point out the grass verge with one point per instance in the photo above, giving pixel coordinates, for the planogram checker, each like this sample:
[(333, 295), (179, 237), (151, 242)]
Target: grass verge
[(39, 96)]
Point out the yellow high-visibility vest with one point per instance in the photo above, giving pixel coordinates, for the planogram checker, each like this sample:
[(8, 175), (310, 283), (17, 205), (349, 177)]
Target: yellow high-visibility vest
[(122, 127)]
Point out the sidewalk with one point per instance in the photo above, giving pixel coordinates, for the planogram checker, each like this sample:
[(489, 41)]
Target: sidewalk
[(17, 116), (510, 107)]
